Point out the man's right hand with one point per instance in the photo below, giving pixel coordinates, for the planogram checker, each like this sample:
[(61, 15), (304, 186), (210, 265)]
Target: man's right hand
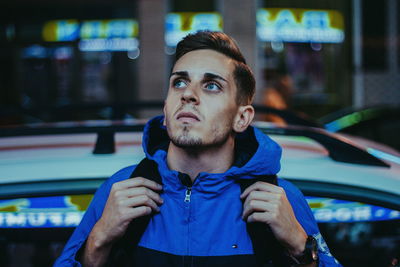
[(128, 199)]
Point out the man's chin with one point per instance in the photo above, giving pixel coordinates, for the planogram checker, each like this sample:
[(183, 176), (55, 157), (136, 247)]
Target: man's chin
[(186, 142)]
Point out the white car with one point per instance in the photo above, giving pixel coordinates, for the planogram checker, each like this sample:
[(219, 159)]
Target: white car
[(48, 174)]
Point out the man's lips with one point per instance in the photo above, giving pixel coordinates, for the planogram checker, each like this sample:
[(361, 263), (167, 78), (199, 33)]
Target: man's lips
[(187, 117)]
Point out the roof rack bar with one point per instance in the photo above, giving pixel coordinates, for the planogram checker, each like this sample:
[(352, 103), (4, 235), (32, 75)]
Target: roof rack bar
[(105, 143), (339, 149)]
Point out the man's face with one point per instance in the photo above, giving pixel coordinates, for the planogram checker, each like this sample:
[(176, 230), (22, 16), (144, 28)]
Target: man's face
[(201, 102)]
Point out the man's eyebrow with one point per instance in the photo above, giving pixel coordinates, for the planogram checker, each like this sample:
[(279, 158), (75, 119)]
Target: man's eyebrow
[(207, 75), (210, 76), (180, 73)]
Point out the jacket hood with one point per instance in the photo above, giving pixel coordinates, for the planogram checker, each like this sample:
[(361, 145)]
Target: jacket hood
[(256, 154)]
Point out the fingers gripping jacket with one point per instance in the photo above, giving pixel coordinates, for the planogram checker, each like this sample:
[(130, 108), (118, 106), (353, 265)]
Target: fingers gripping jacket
[(123, 251), (267, 249)]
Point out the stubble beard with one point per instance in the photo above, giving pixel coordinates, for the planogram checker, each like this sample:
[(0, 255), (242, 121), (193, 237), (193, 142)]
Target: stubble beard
[(185, 139)]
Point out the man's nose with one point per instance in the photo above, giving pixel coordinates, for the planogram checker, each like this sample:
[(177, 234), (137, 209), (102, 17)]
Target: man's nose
[(190, 95)]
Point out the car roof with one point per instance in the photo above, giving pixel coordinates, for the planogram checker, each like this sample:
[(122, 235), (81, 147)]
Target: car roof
[(49, 155)]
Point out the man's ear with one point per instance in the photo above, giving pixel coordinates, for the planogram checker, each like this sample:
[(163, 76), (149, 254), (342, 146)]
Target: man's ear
[(243, 118)]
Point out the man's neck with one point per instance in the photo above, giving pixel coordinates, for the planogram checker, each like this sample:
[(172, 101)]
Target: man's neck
[(193, 161)]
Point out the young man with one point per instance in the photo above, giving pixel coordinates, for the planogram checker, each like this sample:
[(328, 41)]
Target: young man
[(203, 148)]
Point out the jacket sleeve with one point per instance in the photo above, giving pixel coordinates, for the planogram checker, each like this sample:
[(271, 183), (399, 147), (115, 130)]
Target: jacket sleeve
[(306, 218), (92, 215)]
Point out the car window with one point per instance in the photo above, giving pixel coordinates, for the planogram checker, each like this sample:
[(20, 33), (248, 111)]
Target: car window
[(36, 229), (358, 234)]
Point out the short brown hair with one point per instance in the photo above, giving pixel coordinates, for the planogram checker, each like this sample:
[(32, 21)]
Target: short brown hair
[(224, 44)]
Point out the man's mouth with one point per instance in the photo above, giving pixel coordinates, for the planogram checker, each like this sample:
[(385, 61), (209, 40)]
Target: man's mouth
[(187, 117)]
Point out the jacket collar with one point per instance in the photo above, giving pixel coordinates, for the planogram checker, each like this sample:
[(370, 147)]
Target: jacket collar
[(256, 154)]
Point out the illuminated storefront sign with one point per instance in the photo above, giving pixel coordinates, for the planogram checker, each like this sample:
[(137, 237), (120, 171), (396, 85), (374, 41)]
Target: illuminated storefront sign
[(95, 35), (178, 25), (300, 25)]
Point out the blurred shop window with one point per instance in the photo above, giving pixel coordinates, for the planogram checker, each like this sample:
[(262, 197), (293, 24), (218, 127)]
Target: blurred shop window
[(67, 61), (105, 51), (80, 64), (277, 94), (95, 76), (310, 42), (374, 35), (63, 66), (36, 77)]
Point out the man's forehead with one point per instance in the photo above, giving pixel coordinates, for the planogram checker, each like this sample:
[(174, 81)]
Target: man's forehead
[(204, 62)]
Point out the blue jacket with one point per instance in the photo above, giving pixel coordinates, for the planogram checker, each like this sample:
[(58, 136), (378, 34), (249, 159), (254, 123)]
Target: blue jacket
[(206, 229)]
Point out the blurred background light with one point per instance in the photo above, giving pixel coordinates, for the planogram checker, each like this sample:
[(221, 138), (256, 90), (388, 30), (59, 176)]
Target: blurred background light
[(178, 25), (300, 25)]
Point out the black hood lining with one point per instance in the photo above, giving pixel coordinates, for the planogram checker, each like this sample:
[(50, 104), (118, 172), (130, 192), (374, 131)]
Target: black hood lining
[(158, 137), (246, 146)]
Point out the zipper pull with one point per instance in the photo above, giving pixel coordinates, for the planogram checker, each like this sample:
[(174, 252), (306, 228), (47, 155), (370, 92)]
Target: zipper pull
[(188, 194)]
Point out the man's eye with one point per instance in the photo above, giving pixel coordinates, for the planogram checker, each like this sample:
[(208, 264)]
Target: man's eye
[(179, 84), (212, 86)]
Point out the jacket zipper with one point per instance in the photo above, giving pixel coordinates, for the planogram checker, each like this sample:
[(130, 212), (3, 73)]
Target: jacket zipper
[(188, 194), (187, 182)]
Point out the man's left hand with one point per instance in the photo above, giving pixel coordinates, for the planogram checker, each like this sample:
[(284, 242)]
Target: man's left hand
[(267, 203)]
